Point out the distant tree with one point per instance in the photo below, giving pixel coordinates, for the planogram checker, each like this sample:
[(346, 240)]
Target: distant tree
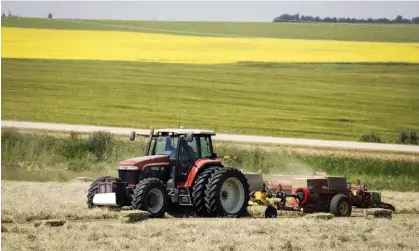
[(50, 15), (3, 15), (309, 18), (305, 18), (398, 19), (10, 14)]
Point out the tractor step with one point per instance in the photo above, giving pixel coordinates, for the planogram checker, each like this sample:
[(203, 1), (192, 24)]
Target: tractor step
[(185, 198)]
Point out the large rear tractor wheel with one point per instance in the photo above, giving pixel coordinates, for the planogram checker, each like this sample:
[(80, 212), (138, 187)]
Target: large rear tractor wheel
[(227, 193), (150, 195), (340, 205), (94, 188), (199, 188)]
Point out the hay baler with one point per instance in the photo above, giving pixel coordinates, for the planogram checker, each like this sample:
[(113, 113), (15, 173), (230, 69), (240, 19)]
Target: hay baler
[(318, 194)]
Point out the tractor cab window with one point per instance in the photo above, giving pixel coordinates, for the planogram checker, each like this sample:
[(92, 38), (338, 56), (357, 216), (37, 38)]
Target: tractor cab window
[(199, 147), (188, 150), (166, 145), (206, 151)]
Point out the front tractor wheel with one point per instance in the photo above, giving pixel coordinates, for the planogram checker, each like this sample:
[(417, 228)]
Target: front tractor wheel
[(150, 195), (340, 205), (94, 188), (227, 193)]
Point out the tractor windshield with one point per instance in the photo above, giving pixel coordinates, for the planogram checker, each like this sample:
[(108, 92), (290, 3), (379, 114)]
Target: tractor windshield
[(199, 147), (166, 145)]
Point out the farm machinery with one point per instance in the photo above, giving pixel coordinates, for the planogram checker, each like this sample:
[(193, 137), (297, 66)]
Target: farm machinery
[(179, 168), (317, 194)]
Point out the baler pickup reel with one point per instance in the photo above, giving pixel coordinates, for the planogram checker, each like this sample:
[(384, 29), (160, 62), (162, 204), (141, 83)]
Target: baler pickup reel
[(276, 201)]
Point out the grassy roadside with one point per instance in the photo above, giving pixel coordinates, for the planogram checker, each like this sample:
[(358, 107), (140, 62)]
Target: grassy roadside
[(44, 156), (323, 101), (319, 31)]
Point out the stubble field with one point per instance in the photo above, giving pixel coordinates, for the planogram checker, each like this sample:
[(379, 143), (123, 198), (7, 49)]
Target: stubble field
[(100, 229)]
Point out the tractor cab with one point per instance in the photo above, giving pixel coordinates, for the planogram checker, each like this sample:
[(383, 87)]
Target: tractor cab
[(182, 147)]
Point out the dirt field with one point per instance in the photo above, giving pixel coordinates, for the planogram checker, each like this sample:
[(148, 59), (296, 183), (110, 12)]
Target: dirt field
[(21, 208)]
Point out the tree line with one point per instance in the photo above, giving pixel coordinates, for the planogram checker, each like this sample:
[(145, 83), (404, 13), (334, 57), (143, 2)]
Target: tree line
[(305, 18), (13, 15)]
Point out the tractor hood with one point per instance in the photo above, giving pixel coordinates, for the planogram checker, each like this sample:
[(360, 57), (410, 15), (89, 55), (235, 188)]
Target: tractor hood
[(143, 161)]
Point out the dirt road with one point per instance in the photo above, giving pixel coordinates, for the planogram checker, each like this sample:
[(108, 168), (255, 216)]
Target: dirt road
[(224, 137)]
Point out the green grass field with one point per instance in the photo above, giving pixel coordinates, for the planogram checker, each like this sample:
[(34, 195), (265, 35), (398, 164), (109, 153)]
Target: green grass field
[(326, 101), (347, 32)]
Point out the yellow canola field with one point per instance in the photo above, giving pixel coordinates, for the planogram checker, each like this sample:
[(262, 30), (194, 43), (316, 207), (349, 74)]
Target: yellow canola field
[(135, 46)]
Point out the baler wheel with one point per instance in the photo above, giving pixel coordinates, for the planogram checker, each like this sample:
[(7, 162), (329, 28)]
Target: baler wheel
[(199, 188), (271, 212), (94, 188), (150, 194), (340, 205), (227, 193)]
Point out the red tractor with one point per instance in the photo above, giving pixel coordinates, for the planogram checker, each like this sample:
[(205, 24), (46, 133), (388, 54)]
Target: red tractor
[(179, 169)]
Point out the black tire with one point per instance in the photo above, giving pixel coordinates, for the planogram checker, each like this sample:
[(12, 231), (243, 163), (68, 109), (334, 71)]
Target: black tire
[(271, 212), (340, 205), (144, 193), (94, 188), (213, 194), (199, 188)]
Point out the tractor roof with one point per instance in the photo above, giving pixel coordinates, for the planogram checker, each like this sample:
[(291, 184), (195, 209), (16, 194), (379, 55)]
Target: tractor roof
[(181, 131)]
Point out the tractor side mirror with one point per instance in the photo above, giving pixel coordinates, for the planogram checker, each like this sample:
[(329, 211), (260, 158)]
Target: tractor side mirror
[(132, 136), (189, 137)]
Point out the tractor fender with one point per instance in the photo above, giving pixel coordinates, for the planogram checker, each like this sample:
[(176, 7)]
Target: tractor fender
[(198, 166), (306, 193)]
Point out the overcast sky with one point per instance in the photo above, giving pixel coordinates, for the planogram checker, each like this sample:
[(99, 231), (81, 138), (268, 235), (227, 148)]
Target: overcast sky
[(209, 10)]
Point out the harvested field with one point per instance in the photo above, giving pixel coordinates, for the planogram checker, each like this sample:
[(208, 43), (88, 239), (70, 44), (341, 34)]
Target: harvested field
[(66, 201), (221, 234)]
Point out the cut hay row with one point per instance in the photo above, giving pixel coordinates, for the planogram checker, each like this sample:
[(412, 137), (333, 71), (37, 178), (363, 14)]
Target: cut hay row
[(67, 201)]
